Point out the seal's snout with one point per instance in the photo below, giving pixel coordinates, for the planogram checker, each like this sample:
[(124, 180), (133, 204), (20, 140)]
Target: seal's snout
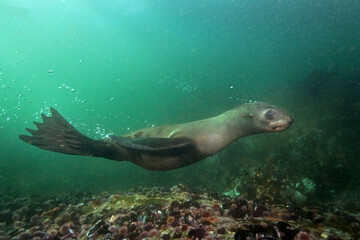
[(291, 119), (282, 123), (288, 121)]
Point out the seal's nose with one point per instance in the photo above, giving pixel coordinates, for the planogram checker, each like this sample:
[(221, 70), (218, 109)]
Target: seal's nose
[(291, 119)]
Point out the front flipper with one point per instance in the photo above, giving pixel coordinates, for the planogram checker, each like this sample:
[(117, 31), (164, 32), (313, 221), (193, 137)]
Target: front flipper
[(158, 154), (156, 146)]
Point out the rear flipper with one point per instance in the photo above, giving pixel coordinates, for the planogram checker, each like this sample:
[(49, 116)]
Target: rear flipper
[(57, 135)]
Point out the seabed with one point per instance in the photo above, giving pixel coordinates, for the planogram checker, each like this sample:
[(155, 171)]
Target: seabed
[(176, 213)]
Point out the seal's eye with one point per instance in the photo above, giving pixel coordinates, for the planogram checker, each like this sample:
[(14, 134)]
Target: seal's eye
[(269, 114)]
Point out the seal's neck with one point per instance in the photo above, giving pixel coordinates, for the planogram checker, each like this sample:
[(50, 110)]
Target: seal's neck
[(238, 123), (214, 134)]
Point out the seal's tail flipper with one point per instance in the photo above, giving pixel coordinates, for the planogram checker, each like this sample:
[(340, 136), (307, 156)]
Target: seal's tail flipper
[(57, 135)]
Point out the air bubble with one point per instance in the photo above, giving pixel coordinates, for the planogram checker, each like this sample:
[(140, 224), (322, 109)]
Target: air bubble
[(185, 85)]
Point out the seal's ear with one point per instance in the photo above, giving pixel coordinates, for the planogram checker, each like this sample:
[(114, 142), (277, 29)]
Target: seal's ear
[(248, 115)]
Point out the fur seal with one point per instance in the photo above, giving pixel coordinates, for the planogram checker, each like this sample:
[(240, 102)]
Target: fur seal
[(163, 147)]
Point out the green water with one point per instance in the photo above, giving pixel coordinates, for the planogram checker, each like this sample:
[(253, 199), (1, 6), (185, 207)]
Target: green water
[(116, 66)]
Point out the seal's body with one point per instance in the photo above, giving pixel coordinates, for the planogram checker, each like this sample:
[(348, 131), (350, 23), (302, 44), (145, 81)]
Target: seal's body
[(164, 147)]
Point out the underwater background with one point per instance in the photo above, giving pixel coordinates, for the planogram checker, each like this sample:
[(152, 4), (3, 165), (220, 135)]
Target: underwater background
[(111, 67)]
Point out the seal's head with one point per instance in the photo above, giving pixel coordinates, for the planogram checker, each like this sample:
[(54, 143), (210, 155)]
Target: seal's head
[(268, 118)]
